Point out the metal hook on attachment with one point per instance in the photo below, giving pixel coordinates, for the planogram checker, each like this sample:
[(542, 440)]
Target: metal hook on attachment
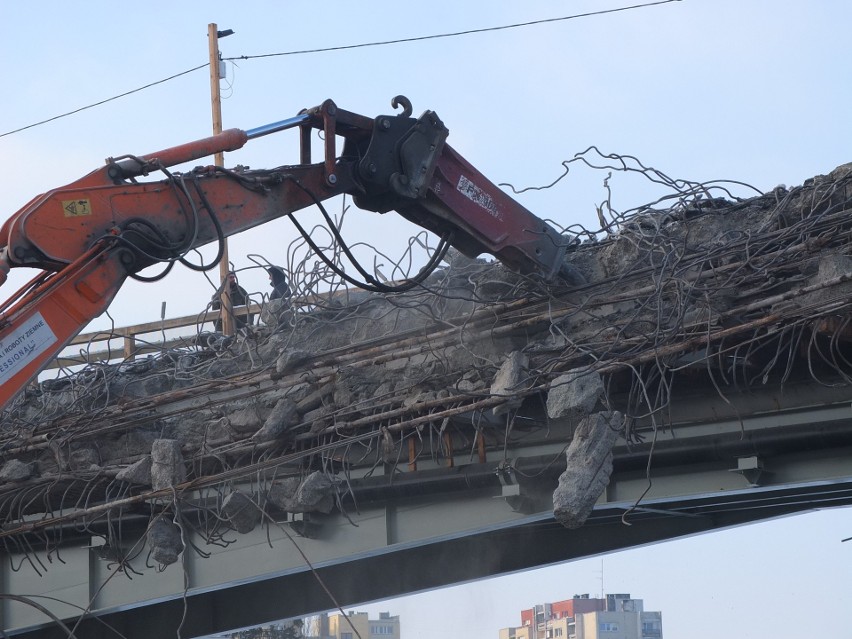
[(405, 103)]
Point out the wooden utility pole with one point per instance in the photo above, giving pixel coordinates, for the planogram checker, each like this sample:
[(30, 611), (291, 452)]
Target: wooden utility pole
[(226, 307)]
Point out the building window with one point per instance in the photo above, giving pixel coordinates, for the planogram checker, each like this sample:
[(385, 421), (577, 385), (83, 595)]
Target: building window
[(557, 632), (607, 626), (345, 635), (381, 630)]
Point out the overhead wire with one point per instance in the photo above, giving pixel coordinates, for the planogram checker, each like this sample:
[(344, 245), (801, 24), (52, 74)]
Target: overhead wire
[(339, 48), (105, 101), (452, 34)]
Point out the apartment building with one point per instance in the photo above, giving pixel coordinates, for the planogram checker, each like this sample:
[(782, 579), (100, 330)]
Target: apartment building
[(345, 626), (617, 616)]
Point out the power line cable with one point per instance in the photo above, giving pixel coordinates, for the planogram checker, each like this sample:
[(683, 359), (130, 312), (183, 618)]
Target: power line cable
[(115, 97), (452, 34), (362, 45)]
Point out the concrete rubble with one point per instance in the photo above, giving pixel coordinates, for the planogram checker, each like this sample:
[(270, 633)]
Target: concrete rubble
[(588, 468), (167, 465), (690, 289), (242, 513), (574, 394), (15, 470), (165, 540), (509, 381)]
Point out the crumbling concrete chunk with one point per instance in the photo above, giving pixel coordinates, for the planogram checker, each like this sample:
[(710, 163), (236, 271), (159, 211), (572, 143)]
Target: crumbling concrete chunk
[(509, 380), (316, 493), (317, 414), (574, 394), (343, 396), (84, 459), (16, 470), (165, 541), (410, 400), (276, 313), (242, 513), (315, 398), (137, 473), (132, 444), (589, 466), (282, 493), (289, 360), (470, 382), (167, 467), (834, 275), (155, 384), (389, 447), (245, 420), (283, 416)]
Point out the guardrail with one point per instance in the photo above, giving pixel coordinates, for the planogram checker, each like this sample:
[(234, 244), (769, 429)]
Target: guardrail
[(132, 344)]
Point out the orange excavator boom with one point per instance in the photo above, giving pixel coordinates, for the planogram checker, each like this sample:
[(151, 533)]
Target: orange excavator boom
[(89, 236)]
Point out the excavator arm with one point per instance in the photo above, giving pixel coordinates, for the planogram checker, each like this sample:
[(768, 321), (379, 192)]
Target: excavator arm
[(89, 236)]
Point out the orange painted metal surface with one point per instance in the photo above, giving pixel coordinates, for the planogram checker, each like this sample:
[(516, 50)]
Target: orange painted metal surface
[(39, 324)]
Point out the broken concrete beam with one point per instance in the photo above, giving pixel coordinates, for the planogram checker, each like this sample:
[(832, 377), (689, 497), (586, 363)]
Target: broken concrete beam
[(165, 540), (283, 416), (589, 466), (508, 380), (574, 394), (167, 467), (137, 473), (242, 513)]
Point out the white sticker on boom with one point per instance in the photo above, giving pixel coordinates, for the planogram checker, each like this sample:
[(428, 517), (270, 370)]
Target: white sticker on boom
[(20, 347), (478, 196)]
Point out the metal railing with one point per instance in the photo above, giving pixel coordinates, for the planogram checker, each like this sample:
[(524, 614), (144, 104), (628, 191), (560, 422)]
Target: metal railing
[(132, 342)]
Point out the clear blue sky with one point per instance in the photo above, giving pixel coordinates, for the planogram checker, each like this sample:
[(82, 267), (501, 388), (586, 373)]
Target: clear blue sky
[(700, 89)]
